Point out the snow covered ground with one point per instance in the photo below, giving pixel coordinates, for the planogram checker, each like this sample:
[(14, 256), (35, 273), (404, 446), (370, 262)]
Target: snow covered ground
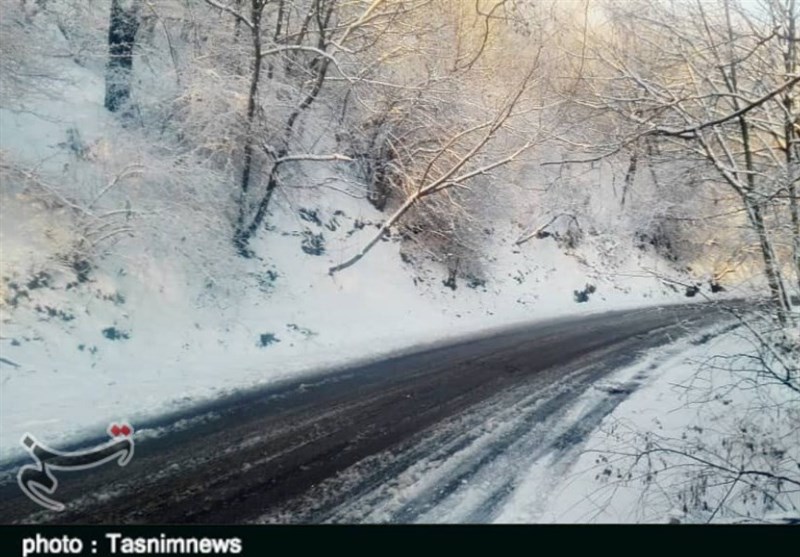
[(674, 449), (634, 447), (170, 315), (144, 336)]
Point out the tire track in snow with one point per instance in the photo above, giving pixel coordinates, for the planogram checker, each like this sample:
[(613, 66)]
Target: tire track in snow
[(465, 468)]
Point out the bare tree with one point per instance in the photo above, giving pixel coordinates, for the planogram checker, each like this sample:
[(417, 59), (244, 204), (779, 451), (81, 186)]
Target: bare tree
[(301, 39), (706, 84), (784, 16), (712, 87), (453, 163), (431, 141)]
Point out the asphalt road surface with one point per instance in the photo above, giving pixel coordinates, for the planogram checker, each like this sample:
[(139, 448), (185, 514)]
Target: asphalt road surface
[(392, 441)]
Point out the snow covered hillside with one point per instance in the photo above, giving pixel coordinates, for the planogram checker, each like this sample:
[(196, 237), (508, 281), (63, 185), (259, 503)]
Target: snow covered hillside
[(202, 197), (122, 295), (146, 328)]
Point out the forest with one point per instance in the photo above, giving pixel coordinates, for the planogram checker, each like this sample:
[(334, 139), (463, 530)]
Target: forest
[(220, 180)]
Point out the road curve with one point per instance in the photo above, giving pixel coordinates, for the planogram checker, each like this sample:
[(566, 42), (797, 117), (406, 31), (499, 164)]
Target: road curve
[(278, 453)]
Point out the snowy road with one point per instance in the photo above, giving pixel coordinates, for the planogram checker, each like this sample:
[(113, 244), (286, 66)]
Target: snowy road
[(443, 435)]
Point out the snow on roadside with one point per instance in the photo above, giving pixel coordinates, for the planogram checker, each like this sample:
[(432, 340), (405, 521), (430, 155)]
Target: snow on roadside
[(691, 402), (150, 329), (144, 336)]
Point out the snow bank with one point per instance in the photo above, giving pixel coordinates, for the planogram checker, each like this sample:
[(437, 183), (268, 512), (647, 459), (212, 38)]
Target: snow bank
[(675, 450)]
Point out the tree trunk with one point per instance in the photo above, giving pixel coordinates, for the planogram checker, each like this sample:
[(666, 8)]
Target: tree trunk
[(630, 175), (771, 265), (241, 235), (244, 231), (122, 29), (791, 140)]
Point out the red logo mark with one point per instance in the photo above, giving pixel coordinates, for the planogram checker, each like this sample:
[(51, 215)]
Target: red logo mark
[(120, 430)]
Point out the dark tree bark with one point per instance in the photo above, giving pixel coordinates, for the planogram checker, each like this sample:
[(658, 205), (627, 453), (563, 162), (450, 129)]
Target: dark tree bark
[(321, 13), (241, 236), (122, 29), (630, 175)]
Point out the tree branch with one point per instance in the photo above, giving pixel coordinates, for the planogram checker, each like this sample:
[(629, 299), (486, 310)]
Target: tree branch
[(231, 11)]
